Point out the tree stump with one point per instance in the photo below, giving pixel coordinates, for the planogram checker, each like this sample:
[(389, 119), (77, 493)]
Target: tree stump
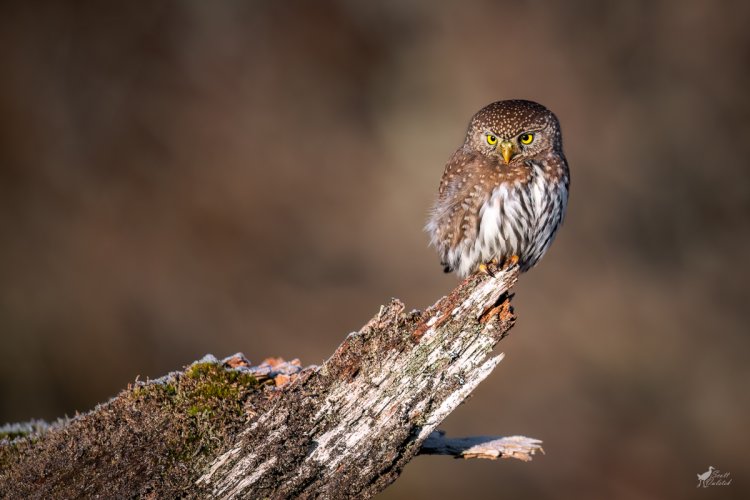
[(231, 430)]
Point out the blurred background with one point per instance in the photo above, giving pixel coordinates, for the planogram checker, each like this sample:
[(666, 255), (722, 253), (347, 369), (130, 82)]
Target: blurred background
[(183, 178)]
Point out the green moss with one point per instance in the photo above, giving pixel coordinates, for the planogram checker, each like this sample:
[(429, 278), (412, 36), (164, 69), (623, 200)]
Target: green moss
[(23, 429), (203, 402), (169, 427), (14, 437), (204, 389), (210, 386), (198, 370), (218, 373), (13, 434)]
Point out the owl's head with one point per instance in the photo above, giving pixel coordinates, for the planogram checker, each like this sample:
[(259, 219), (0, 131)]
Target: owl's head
[(514, 131)]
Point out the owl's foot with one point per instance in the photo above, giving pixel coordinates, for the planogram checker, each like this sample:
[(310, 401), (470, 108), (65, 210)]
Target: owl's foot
[(510, 261), (490, 267), (493, 266)]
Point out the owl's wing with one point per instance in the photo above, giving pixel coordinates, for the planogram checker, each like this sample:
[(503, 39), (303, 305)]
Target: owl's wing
[(455, 217), (455, 163)]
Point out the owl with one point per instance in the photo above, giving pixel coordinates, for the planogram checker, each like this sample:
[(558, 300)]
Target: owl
[(504, 192)]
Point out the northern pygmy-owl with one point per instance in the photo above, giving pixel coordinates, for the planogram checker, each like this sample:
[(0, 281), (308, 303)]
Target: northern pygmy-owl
[(503, 194)]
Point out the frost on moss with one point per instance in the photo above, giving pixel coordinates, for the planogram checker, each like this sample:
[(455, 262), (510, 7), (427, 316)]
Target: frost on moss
[(158, 430), (204, 388), (9, 432)]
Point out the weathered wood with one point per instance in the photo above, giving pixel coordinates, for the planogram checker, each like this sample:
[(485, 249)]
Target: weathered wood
[(489, 447), (229, 430)]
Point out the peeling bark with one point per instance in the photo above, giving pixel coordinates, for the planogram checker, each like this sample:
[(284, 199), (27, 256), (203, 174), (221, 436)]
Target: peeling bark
[(230, 430), (489, 447)]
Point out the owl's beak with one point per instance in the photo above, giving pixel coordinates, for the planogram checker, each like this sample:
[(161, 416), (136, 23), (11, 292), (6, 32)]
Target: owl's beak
[(506, 148)]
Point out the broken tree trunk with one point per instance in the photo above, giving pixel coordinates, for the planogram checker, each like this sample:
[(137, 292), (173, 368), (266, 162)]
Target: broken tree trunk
[(226, 429)]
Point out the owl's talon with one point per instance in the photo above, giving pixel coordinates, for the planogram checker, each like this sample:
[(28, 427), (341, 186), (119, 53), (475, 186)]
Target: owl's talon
[(483, 268), (495, 265), (488, 268)]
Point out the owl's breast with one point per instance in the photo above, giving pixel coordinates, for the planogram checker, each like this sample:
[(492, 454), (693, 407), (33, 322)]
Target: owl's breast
[(491, 212), (521, 217), (548, 195), (506, 221)]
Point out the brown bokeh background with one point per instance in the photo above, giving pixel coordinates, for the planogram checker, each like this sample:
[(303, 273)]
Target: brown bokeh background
[(178, 178)]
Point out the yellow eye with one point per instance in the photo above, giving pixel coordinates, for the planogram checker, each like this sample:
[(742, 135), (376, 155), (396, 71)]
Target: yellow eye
[(526, 138), (491, 139)]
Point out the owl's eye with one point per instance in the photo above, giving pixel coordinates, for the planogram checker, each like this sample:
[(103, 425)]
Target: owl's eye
[(491, 139), (526, 138)]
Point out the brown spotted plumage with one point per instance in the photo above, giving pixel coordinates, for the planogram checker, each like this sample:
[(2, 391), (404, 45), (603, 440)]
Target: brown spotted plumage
[(504, 191)]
